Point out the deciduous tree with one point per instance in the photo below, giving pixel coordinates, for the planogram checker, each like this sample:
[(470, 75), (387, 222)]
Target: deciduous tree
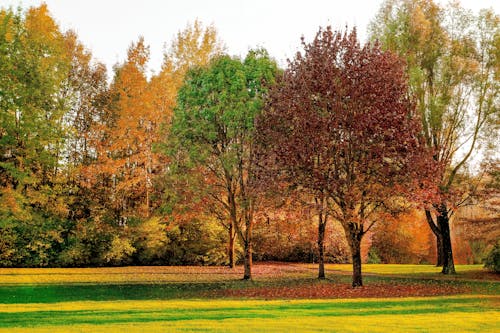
[(214, 122), (453, 64), (340, 124)]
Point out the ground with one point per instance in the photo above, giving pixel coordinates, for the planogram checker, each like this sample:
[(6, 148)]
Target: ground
[(282, 297)]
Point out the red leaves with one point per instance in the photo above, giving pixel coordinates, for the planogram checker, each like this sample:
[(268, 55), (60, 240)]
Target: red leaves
[(334, 290), (341, 125)]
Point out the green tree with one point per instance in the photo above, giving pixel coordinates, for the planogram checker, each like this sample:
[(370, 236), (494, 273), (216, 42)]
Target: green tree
[(214, 122), (453, 63), (34, 68)]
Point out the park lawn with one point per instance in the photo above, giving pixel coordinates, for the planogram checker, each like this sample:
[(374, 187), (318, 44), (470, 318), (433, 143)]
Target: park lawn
[(209, 274), (444, 314), (398, 269), (282, 297)]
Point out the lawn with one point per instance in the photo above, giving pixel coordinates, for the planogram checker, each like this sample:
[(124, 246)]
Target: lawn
[(281, 298)]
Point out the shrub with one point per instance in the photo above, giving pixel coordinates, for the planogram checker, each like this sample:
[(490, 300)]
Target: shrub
[(492, 260), (373, 257)]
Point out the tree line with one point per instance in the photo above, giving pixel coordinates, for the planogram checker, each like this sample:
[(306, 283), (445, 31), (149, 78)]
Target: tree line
[(193, 164)]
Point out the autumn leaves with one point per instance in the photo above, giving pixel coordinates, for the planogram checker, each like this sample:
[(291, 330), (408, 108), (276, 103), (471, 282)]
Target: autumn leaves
[(168, 168)]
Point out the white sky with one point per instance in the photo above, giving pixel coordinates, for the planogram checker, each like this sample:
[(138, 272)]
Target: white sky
[(107, 27)]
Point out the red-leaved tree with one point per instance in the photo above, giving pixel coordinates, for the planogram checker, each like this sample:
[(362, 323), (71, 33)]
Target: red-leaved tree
[(340, 124)]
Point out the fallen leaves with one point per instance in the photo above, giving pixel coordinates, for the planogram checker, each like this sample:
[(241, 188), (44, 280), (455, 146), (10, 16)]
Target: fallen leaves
[(334, 290)]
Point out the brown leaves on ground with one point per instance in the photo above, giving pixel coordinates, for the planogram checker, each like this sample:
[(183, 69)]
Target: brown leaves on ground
[(335, 290)]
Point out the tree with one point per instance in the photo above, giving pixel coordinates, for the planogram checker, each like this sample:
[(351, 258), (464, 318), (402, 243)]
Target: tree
[(34, 67), (340, 125), (128, 133), (194, 46), (453, 65), (214, 121)]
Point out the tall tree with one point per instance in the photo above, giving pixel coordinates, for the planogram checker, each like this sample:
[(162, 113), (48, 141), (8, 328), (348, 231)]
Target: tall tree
[(214, 121), (340, 125), (453, 64), (35, 70), (196, 45), (125, 152)]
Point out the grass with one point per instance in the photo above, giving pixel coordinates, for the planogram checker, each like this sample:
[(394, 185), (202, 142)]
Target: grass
[(396, 269), (444, 314), (182, 299)]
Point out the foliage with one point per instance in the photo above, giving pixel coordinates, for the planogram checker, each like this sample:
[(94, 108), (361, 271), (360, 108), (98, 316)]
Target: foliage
[(214, 124), (373, 257), (172, 167), (403, 239), (341, 126), (492, 260), (453, 63)]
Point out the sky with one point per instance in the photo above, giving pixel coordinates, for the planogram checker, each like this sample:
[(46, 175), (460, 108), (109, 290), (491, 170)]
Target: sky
[(108, 27)]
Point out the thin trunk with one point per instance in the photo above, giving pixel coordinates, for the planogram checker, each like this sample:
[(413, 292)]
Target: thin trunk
[(232, 227), (247, 275), (321, 245), (232, 236), (444, 225)]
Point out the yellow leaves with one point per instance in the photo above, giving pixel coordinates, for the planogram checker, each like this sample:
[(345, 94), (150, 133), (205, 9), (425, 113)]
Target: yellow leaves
[(40, 24), (43, 31), (194, 46), (121, 248), (420, 24), (11, 203), (7, 22), (153, 232)]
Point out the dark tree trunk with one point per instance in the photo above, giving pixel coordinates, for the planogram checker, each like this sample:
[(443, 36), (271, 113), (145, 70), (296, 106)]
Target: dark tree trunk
[(321, 245), (444, 225), (232, 236), (439, 250), (355, 236), (435, 228), (247, 275)]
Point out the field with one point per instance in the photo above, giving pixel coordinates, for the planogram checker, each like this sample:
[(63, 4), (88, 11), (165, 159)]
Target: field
[(282, 297)]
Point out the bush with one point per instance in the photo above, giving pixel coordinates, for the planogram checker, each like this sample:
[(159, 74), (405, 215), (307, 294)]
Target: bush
[(373, 257), (492, 260)]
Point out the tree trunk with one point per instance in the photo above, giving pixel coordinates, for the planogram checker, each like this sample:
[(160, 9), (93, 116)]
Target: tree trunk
[(355, 245), (439, 250), (247, 275), (232, 236), (436, 230), (321, 245), (444, 225)]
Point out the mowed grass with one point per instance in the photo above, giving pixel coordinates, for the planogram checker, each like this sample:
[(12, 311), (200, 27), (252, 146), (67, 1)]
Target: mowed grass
[(443, 314), (187, 299)]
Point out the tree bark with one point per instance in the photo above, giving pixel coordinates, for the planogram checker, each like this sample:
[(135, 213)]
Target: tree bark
[(444, 225), (439, 250), (321, 245), (247, 275), (355, 236), (439, 238), (232, 236)]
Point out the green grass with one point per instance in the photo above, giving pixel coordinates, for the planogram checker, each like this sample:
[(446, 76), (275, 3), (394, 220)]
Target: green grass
[(465, 313), (173, 299)]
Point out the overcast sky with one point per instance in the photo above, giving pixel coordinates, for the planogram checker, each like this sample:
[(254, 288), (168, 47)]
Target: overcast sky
[(108, 27)]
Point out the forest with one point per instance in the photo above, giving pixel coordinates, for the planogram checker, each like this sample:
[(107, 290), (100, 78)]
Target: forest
[(383, 151)]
